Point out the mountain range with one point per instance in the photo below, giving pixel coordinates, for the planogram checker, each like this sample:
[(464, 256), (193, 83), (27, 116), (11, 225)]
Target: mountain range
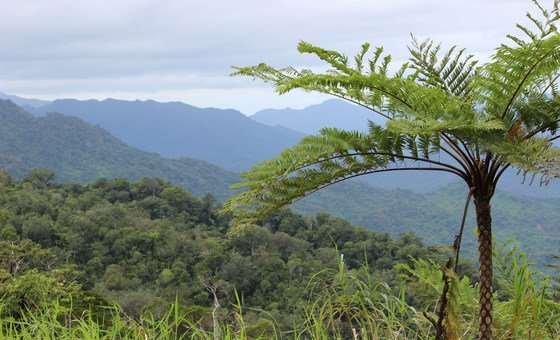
[(235, 142), (27, 103), (80, 151), (330, 113), (226, 138)]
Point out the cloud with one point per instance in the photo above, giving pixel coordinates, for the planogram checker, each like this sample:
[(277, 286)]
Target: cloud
[(164, 47)]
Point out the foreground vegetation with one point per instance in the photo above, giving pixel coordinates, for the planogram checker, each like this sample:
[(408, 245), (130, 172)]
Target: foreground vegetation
[(349, 304), (120, 259)]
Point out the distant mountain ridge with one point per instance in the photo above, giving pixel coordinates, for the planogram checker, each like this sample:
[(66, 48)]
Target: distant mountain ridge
[(231, 140), (79, 151), (223, 137), (330, 113), (24, 102)]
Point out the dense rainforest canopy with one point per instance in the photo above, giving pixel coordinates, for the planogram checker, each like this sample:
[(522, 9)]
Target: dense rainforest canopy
[(144, 243)]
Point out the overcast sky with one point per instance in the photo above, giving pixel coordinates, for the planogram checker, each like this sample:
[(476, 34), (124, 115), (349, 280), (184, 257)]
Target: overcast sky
[(182, 50)]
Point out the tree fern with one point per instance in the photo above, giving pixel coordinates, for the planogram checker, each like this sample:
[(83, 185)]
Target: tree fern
[(504, 113)]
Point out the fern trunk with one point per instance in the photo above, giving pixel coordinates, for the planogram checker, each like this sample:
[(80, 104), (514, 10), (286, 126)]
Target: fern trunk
[(484, 223)]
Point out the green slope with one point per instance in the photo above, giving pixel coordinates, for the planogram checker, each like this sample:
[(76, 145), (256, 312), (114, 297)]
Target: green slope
[(79, 151), (226, 138), (436, 216)]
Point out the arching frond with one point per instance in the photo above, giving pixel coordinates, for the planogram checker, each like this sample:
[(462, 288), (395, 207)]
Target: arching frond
[(539, 114), (332, 156), (338, 61), (389, 95), (452, 73), (468, 127), (503, 113), (542, 27), (535, 156), (513, 69)]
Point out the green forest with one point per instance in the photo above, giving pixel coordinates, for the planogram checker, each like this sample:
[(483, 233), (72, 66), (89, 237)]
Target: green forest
[(101, 240), (80, 152), (126, 259)]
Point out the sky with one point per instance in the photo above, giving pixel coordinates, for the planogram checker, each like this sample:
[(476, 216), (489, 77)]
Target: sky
[(183, 50)]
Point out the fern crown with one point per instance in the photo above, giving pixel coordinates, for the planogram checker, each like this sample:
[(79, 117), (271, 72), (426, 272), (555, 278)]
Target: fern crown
[(484, 118)]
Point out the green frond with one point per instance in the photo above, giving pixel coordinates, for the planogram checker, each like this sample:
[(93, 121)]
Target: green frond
[(359, 58), (542, 27), (466, 127), (452, 73), (373, 61), (486, 118), (530, 156), (321, 160), (337, 60), (512, 70), (392, 96), (396, 96), (539, 114)]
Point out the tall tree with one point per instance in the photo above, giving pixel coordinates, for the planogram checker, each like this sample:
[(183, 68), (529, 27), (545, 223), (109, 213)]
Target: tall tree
[(484, 119)]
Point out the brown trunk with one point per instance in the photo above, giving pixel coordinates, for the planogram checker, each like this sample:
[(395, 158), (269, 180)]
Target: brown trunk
[(484, 223)]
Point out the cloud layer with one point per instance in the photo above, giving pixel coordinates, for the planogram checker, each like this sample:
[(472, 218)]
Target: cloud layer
[(183, 50)]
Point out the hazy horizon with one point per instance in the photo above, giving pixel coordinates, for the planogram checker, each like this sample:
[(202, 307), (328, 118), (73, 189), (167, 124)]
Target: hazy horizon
[(184, 50)]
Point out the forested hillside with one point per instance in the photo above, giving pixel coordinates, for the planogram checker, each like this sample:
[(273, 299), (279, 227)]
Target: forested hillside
[(223, 137), (419, 200), (143, 244), (79, 151), (436, 216), (109, 259)]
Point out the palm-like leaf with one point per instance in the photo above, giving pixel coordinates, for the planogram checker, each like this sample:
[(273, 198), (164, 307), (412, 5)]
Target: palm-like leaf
[(504, 113), (469, 114), (332, 156), (514, 69), (453, 73)]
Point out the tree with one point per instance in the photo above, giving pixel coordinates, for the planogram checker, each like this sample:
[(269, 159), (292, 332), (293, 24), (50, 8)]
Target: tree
[(40, 177), (444, 113)]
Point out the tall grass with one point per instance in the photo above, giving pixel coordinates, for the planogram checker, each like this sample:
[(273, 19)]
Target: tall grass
[(339, 304), (353, 305), (524, 308)]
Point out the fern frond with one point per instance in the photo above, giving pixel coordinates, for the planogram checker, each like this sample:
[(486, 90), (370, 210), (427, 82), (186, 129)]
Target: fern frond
[(543, 27), (530, 156), (464, 127), (488, 118), (391, 96), (332, 156), (337, 60), (539, 115), (359, 58), (452, 73), (512, 70)]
